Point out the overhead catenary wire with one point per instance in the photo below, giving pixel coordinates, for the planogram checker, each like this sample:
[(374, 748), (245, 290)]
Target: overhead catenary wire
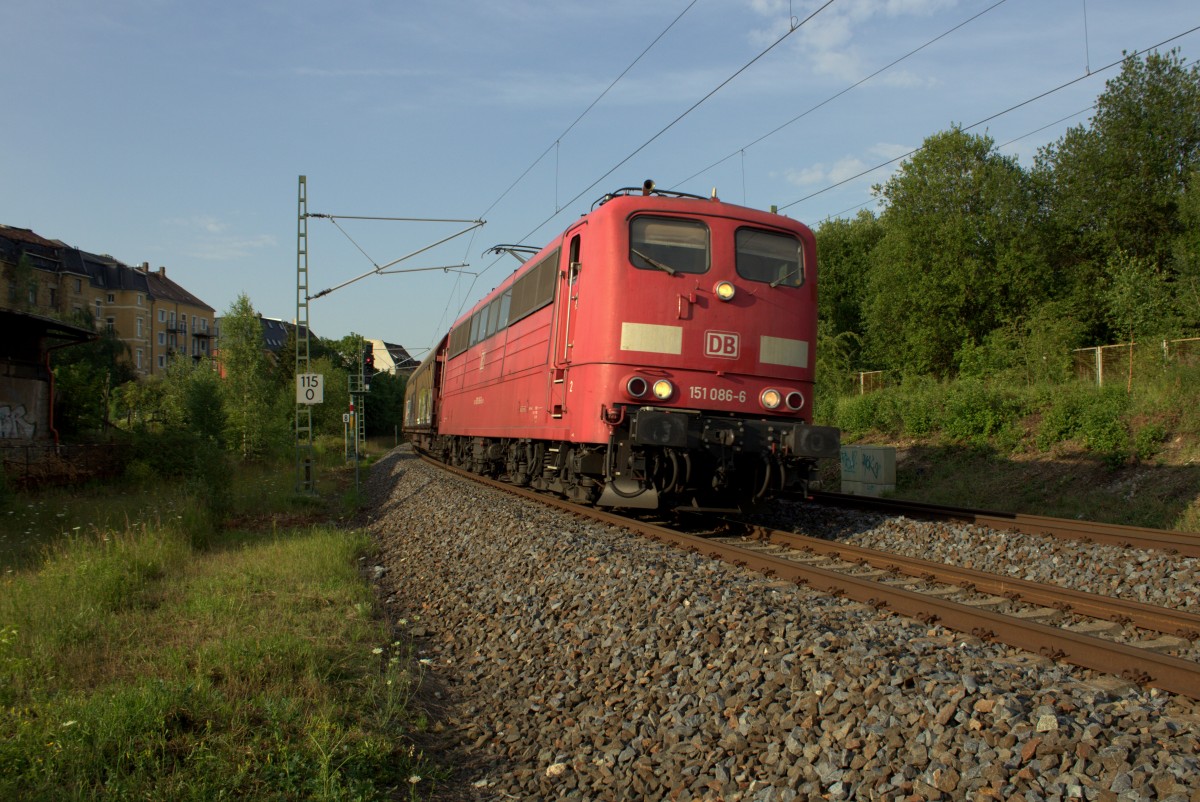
[(793, 27), (558, 139), (380, 269), (831, 98), (1001, 146), (989, 118)]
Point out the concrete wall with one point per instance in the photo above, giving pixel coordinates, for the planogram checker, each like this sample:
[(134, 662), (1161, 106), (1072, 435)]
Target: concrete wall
[(868, 470), (24, 410)]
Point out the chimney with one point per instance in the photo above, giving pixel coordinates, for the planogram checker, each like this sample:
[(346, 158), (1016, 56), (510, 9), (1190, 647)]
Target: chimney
[(145, 268), (162, 271)]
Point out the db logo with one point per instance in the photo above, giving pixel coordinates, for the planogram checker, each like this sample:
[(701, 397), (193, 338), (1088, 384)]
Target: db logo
[(721, 344)]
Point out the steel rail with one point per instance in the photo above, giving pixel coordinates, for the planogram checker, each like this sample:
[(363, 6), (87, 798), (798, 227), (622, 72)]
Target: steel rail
[(1093, 605), (1140, 666), (1186, 544)]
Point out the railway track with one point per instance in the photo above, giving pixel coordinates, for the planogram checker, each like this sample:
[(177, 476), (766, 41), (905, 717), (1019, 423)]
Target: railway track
[(1186, 544), (991, 607)]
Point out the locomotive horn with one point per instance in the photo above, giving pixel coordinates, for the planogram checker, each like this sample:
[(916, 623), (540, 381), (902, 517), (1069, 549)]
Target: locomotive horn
[(648, 187)]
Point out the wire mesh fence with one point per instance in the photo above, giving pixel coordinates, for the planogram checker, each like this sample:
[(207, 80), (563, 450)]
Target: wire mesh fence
[(1118, 363)]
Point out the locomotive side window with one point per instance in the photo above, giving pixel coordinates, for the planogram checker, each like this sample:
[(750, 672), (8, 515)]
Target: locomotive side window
[(493, 317), (475, 326), (460, 339), (505, 303), (770, 257), (533, 290), (668, 244)]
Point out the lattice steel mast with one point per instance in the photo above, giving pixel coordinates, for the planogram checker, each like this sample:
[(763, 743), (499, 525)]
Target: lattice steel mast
[(305, 482)]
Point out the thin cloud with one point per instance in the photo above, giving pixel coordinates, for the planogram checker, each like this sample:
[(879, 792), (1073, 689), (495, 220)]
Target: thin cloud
[(226, 249), (829, 42)]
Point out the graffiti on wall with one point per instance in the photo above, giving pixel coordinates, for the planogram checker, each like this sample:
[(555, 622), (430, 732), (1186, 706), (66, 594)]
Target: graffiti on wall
[(15, 423)]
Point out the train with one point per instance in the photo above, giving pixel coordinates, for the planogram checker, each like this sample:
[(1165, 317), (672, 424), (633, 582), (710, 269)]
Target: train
[(658, 354)]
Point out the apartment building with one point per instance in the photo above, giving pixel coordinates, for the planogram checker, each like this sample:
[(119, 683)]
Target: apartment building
[(182, 323), (153, 315)]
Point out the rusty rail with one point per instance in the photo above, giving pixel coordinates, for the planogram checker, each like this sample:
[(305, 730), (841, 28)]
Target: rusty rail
[(1186, 544), (1137, 665), (1110, 608)]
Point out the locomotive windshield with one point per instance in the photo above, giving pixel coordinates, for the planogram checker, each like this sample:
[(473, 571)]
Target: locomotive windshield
[(668, 244), (770, 257)]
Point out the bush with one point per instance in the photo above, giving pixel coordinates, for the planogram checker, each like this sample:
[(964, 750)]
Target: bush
[(1148, 440), (974, 411), (198, 460), (1103, 425), (1094, 416), (855, 414), (919, 406)]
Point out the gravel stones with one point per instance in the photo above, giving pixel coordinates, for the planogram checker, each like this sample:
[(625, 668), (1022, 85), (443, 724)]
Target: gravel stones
[(579, 661)]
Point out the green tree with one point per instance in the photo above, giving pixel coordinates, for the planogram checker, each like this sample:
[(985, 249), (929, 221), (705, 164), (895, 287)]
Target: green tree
[(1118, 183), (385, 404), (85, 378), (21, 282), (1137, 300), (250, 420), (844, 261), (140, 403), (1186, 257), (192, 399), (955, 260), (327, 416)]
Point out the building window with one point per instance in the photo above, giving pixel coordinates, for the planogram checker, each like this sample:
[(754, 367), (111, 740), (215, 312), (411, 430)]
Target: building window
[(162, 315), (33, 295), (112, 298), (139, 299), (139, 326), (162, 361), (78, 285), (97, 311), (162, 338), (139, 358), (110, 325)]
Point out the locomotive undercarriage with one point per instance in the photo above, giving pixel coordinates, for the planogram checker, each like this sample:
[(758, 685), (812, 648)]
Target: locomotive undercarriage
[(657, 458)]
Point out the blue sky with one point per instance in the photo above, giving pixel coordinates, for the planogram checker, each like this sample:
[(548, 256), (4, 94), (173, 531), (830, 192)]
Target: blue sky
[(174, 132)]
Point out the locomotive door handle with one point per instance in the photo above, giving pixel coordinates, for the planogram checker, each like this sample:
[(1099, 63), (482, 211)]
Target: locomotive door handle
[(685, 306)]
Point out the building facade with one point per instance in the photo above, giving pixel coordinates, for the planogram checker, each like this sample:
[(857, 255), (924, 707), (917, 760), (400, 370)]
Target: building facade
[(153, 315)]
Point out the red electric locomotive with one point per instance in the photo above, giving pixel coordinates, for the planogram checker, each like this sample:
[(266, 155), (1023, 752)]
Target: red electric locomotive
[(659, 352)]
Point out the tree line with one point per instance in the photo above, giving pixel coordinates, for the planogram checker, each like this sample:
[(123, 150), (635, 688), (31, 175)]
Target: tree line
[(975, 266), (242, 403)]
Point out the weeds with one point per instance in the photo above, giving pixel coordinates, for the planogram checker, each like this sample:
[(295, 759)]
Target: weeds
[(140, 662)]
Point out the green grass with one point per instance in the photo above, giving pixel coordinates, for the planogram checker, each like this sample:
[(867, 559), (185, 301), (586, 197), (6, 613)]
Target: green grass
[(1073, 450), (139, 661)]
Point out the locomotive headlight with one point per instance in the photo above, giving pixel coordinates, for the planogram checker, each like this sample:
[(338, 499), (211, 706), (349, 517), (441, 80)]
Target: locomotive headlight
[(770, 398), (723, 290), (794, 401), (636, 387), (663, 390)]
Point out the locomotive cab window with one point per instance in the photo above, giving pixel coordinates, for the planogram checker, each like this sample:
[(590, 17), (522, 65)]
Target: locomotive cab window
[(775, 259), (668, 244)]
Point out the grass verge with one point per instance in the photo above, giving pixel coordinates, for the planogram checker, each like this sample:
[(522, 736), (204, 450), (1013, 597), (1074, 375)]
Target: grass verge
[(146, 662)]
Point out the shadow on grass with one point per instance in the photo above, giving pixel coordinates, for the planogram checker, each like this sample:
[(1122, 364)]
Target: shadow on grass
[(1064, 485)]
